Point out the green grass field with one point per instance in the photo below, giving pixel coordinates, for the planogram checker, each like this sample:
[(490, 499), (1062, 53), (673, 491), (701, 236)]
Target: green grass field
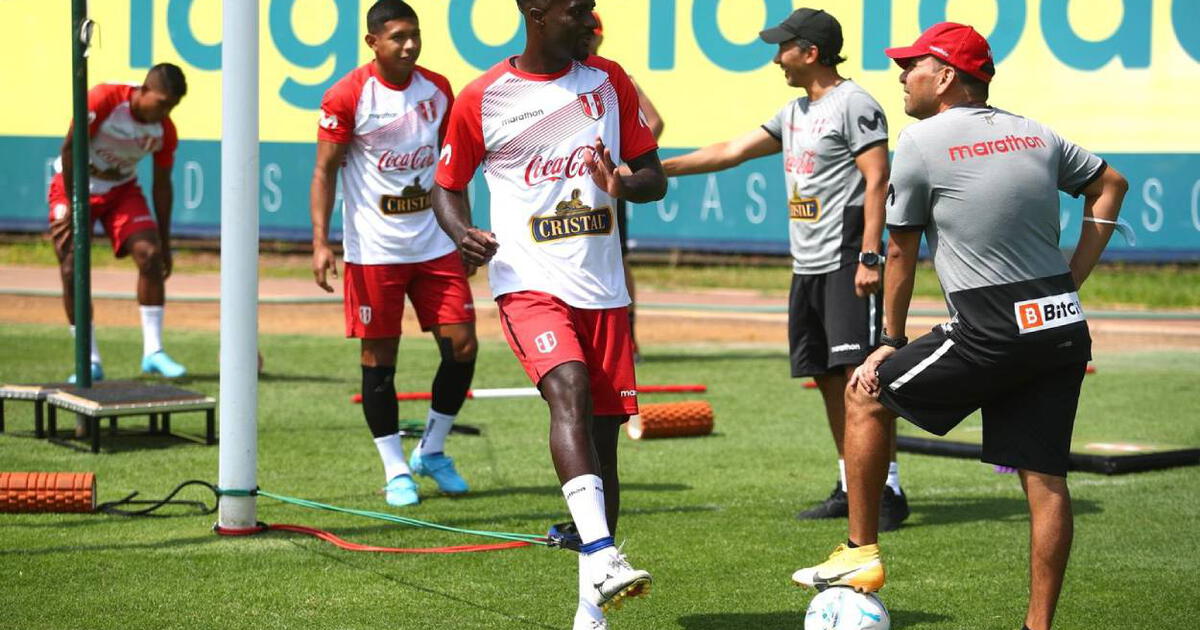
[(710, 517)]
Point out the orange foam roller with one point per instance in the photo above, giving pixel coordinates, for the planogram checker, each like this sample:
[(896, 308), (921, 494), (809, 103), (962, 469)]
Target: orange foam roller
[(676, 419), (47, 492)]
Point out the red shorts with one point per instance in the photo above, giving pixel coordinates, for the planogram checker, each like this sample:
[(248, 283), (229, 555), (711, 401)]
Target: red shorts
[(122, 211), (546, 332), (375, 294)]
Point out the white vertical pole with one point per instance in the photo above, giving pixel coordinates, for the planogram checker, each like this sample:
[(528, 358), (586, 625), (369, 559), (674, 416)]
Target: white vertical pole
[(239, 261)]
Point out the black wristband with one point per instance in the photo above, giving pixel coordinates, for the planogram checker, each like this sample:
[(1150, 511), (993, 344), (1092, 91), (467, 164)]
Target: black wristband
[(895, 342)]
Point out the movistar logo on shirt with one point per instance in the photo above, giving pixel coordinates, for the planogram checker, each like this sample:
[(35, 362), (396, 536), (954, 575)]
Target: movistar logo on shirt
[(571, 218)]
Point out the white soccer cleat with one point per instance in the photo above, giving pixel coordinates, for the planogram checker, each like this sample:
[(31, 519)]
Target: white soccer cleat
[(614, 580)]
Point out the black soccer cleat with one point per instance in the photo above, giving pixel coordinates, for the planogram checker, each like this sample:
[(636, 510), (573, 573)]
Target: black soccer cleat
[(893, 510), (833, 507)]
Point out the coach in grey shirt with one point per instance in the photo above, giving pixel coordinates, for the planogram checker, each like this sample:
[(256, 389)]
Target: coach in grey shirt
[(982, 185), (834, 144)]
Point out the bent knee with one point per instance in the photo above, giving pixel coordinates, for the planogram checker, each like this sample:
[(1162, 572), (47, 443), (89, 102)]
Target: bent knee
[(465, 350)]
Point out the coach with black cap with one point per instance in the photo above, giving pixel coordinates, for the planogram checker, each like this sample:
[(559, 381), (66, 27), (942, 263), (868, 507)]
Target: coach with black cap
[(835, 162), (982, 185)]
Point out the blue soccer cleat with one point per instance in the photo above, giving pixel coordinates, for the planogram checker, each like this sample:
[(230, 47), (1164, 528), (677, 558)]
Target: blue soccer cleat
[(160, 363), (97, 374), (441, 468), (402, 491)]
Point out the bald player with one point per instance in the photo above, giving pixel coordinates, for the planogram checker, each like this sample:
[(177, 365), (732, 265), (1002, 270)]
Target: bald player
[(982, 184)]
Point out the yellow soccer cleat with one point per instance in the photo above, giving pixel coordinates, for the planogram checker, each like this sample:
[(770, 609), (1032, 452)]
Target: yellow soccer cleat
[(859, 568)]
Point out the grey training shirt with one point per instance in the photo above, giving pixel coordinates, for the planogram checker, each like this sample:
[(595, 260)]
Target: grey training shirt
[(825, 189), (983, 184)]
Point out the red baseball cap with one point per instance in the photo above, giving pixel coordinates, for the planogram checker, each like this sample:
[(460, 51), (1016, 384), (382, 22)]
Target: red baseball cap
[(599, 30), (957, 44)]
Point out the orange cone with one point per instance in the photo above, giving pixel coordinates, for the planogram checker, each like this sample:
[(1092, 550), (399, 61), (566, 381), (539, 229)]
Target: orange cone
[(47, 492), (677, 419)]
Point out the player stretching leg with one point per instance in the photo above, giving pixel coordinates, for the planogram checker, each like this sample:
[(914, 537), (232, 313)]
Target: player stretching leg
[(381, 125), (1018, 342), (546, 126), (125, 124)]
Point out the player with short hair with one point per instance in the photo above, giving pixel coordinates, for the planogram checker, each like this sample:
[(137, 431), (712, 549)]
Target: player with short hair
[(382, 125), (982, 185), (546, 126), (125, 124), (835, 162)]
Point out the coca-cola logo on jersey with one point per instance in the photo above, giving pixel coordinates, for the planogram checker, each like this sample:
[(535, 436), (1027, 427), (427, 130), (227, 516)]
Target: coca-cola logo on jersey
[(543, 169), (423, 157)]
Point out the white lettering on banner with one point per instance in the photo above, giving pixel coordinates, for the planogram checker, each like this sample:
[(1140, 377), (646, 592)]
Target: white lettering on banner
[(712, 199), (1048, 312), (193, 185), (1196, 205), (668, 212), (757, 212), (271, 176), (50, 172), (1154, 201)]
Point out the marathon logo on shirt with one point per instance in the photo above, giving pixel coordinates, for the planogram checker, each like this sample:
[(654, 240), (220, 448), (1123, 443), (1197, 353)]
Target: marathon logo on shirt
[(413, 198), (807, 209), (1008, 144), (421, 158), (1048, 312), (552, 169), (571, 218)]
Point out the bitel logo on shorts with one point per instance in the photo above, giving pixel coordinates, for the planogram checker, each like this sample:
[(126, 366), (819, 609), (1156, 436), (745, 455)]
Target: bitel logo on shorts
[(1048, 312)]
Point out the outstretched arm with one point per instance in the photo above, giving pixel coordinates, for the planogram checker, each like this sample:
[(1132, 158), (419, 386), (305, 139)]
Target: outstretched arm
[(722, 155)]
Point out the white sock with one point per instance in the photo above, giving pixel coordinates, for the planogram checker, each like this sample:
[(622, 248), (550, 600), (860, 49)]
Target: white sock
[(842, 473), (587, 611), (95, 346), (391, 451), (585, 500), (893, 478), (152, 319), (437, 427)]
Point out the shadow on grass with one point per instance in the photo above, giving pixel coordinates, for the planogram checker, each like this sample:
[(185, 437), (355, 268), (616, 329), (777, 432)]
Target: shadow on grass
[(791, 620), (550, 489), (156, 545), (266, 377), (130, 441), (953, 511)]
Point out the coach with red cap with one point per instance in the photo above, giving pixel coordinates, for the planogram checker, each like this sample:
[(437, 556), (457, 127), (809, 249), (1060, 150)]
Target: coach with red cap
[(982, 185)]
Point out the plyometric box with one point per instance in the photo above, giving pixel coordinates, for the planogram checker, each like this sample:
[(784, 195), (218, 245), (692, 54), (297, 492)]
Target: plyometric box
[(1112, 457)]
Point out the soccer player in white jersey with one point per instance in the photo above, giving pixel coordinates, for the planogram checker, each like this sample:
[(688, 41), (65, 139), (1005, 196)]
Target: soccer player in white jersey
[(982, 185), (546, 126), (382, 125), (125, 124), (835, 162)]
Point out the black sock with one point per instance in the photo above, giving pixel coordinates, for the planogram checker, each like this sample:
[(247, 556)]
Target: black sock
[(451, 382), (379, 400), (851, 544)]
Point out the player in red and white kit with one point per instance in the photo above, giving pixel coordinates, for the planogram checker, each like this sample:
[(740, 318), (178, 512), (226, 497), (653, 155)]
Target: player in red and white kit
[(382, 125), (546, 126), (125, 124)]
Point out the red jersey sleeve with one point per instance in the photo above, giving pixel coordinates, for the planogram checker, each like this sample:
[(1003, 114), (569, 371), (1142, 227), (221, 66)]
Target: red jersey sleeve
[(443, 86), (165, 157), (463, 148), (102, 99), (338, 108), (636, 137)]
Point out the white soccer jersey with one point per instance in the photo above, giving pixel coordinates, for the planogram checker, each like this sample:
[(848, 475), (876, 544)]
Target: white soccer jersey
[(394, 132), (556, 228)]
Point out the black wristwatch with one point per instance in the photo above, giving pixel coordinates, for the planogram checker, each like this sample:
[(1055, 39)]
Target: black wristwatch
[(870, 259), (895, 342)]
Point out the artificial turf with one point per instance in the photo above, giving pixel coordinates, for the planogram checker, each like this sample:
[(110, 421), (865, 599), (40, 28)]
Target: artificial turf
[(710, 517)]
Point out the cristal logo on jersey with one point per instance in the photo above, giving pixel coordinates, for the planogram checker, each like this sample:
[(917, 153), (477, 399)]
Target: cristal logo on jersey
[(546, 342), (414, 160), (543, 169), (428, 109), (1048, 312), (807, 209), (412, 198), (592, 104), (328, 121), (571, 217)]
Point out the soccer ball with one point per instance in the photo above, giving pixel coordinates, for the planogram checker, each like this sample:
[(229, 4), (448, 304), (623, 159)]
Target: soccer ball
[(842, 608)]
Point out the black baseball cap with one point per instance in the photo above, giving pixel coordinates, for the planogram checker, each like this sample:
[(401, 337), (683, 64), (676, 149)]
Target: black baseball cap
[(814, 25)]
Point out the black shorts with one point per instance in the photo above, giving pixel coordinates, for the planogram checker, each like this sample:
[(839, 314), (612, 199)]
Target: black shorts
[(828, 325), (623, 225), (1028, 401)]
